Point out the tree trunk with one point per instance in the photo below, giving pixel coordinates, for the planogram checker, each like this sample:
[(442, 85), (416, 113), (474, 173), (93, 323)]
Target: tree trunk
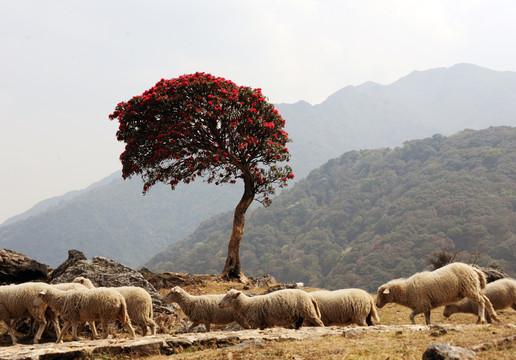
[(233, 268)]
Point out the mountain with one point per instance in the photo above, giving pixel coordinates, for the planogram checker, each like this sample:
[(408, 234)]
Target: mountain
[(46, 204), (113, 219), (372, 215), (369, 116)]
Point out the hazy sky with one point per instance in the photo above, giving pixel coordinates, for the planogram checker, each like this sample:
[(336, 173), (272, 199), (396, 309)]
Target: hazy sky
[(64, 65)]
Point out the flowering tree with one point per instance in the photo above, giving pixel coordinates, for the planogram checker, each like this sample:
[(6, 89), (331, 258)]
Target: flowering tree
[(202, 126)]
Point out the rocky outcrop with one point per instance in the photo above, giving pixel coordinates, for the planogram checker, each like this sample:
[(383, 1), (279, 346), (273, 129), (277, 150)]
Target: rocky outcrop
[(492, 274), (17, 268), (105, 272)]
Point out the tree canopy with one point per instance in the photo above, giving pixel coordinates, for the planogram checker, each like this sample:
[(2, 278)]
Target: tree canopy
[(199, 125)]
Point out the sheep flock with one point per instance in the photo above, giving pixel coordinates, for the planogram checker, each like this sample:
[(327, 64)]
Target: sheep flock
[(458, 287)]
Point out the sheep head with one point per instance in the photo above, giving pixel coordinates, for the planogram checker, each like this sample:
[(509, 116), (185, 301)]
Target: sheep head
[(39, 299), (84, 281), (173, 295), (230, 296), (384, 296)]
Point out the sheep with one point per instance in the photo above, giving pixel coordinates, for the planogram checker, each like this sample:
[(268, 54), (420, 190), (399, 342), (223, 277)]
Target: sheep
[(501, 293), (84, 281), (85, 305), (427, 290), (283, 307), (340, 307), (83, 284), (16, 303), (202, 309), (139, 307), (70, 286), (139, 304)]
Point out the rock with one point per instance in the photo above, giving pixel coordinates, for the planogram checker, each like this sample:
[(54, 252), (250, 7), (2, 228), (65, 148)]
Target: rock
[(281, 287), (439, 330), (17, 268), (73, 256), (442, 351), (168, 280), (264, 281), (492, 274), (107, 273)]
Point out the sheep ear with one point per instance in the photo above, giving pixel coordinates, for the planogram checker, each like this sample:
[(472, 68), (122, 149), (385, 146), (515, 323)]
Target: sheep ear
[(42, 292), (237, 294), (386, 291)]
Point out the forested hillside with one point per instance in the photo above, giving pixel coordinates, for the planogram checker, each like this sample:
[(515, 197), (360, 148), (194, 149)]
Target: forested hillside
[(371, 215)]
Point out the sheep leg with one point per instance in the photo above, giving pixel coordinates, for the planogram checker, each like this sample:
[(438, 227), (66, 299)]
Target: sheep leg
[(63, 331), (10, 331), (481, 309), (368, 320), (417, 312), (194, 324), (427, 317), (143, 326), (42, 324), (362, 322), (129, 328), (299, 323), (152, 327), (207, 325), (93, 328), (55, 322), (74, 331), (488, 318), (514, 306), (489, 307), (105, 328), (314, 321)]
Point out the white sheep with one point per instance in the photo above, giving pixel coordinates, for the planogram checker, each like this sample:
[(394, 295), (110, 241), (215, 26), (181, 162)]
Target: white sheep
[(340, 307), (139, 304), (501, 293), (139, 307), (75, 306), (74, 285), (202, 309), (279, 308), (84, 281), (16, 302), (427, 290), (70, 286)]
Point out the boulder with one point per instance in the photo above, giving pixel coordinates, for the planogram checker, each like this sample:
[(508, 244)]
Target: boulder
[(107, 273), (17, 268), (492, 274), (442, 351)]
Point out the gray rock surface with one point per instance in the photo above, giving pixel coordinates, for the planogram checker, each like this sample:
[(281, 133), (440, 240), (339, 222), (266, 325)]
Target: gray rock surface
[(442, 351), (17, 268), (107, 273)]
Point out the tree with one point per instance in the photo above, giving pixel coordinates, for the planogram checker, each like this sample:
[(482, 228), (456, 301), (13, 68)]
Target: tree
[(202, 126)]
